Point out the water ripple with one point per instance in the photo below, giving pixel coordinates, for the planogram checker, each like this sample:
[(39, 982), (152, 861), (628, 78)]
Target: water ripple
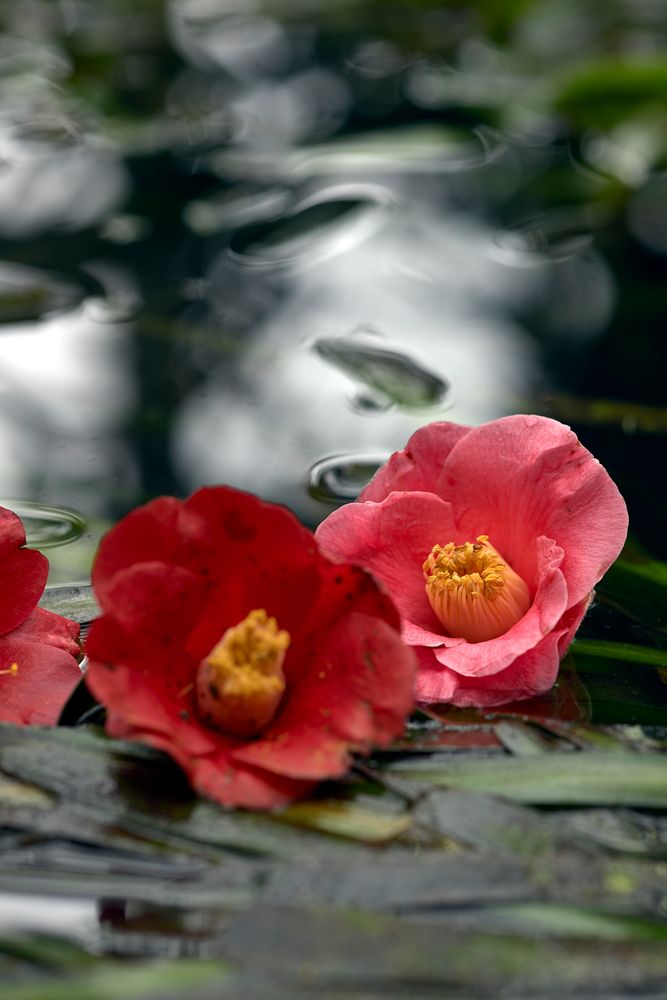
[(341, 478), (47, 526)]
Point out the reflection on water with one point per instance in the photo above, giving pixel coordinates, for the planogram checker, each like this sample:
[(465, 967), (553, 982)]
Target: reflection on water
[(386, 370), (426, 282), (27, 293), (327, 223), (341, 478), (239, 238), (46, 526)]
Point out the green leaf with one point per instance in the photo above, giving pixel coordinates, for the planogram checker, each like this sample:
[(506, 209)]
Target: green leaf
[(347, 819), (112, 980), (620, 651), (551, 779)]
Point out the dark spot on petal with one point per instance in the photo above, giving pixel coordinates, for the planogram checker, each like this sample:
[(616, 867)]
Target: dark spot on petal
[(237, 528), (214, 691), (184, 715), (338, 579)]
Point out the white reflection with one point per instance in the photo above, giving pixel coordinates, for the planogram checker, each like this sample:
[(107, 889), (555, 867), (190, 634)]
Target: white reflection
[(243, 44), (310, 105), (64, 395), (75, 918), (44, 183), (425, 282)]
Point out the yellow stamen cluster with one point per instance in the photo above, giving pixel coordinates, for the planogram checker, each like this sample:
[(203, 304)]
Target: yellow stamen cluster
[(12, 671), (475, 594), (240, 683)]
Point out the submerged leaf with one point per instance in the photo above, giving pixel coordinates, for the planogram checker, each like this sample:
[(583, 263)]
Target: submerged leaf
[(550, 779)]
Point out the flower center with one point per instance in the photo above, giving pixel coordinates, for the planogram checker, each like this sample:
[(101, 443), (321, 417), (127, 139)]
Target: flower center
[(474, 593), (240, 683)]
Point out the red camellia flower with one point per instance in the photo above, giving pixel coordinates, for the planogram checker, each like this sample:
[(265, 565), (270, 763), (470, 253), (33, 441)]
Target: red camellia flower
[(38, 669), (490, 541), (230, 642)]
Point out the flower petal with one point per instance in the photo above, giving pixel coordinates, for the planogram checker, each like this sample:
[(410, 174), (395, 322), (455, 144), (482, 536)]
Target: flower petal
[(231, 785), (355, 694), (419, 466), (148, 534), (391, 539), (156, 603), (523, 476), (529, 674), (149, 689), (50, 629), (260, 556), (481, 659), (23, 574), (46, 678)]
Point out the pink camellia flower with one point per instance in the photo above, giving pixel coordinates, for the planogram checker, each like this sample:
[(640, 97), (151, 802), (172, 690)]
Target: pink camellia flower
[(38, 669), (490, 541)]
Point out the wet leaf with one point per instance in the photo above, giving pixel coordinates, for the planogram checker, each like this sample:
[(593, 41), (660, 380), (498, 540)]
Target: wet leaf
[(550, 779), (485, 822), (347, 819), (620, 651), (112, 980), (388, 955), (395, 882)]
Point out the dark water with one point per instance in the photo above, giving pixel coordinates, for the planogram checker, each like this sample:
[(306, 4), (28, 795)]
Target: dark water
[(260, 243)]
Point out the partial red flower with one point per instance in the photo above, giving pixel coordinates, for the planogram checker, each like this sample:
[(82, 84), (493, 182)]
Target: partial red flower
[(490, 541), (38, 669), (230, 642)]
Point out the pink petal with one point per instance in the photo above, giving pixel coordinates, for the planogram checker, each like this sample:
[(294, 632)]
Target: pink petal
[(530, 674), (37, 693), (391, 540), (571, 621), (419, 466), (524, 476)]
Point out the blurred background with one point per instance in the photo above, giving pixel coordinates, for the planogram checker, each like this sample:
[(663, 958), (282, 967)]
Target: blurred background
[(261, 241)]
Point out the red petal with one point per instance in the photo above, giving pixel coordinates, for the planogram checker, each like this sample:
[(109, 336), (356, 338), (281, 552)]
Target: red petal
[(50, 629), (150, 690), (23, 573), (260, 556), (156, 603), (46, 678), (243, 786), (355, 693), (148, 534)]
